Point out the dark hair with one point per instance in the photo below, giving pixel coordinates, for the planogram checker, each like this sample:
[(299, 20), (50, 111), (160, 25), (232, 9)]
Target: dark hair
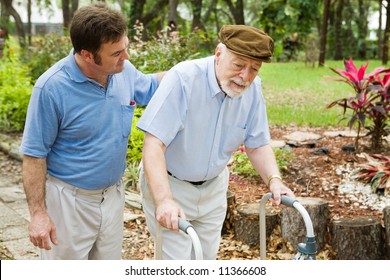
[(94, 25)]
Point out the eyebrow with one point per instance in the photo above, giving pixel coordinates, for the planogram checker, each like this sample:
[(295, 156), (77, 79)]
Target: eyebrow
[(246, 61), (119, 51)]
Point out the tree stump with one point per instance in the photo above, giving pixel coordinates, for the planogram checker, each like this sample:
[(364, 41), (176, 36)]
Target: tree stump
[(246, 226), (358, 238), (293, 226), (386, 219), (230, 212)]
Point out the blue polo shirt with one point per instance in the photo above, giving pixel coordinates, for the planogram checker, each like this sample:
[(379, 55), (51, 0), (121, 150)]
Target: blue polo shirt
[(200, 127), (82, 128)]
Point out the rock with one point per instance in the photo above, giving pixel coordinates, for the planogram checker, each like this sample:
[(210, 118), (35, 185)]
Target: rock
[(302, 136), (321, 151), (342, 133), (349, 148), (277, 143)]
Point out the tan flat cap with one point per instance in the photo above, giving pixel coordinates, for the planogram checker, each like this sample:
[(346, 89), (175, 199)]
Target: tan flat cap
[(247, 41)]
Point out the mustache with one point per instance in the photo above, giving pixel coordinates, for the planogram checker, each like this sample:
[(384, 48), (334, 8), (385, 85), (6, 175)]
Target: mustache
[(240, 82)]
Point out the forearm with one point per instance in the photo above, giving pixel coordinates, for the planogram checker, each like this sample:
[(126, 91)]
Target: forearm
[(34, 178), (155, 169), (263, 161)]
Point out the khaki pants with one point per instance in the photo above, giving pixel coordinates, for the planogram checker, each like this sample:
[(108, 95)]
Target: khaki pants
[(89, 223), (204, 206)]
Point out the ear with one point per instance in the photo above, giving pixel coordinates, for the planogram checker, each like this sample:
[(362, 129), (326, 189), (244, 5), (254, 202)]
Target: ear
[(218, 52), (87, 56)]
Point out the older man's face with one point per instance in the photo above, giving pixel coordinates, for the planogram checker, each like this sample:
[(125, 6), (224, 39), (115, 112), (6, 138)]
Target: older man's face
[(235, 73)]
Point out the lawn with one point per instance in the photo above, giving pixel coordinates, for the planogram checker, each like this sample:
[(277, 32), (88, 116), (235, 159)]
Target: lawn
[(298, 94)]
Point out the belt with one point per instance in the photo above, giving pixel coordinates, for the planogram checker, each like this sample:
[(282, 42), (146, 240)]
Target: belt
[(193, 183)]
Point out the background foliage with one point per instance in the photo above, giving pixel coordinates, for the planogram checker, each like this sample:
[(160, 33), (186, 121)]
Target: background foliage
[(15, 91), (296, 92)]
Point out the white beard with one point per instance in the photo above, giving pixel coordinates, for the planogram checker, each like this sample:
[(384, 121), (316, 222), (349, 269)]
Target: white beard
[(237, 92)]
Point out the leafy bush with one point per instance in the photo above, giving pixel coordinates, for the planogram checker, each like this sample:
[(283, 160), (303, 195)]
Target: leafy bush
[(164, 51), (136, 141), (45, 51), (241, 165), (371, 101), (375, 172), (15, 91), (134, 151)]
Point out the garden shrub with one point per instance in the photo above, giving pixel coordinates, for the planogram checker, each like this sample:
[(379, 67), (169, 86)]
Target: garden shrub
[(46, 51), (370, 103), (240, 164), (164, 51), (136, 140), (15, 91)]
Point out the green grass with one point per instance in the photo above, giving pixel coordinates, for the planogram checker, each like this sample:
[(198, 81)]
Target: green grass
[(298, 94)]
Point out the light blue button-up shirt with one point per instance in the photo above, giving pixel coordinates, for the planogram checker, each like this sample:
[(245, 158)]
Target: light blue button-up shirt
[(82, 128), (200, 127)]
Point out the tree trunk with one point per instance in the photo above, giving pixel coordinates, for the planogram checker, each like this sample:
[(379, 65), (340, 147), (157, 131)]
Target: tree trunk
[(237, 11), (379, 31), (18, 21), (338, 31), (247, 225), (386, 219), (172, 15), (386, 37), (228, 224), (196, 15), (210, 10), (362, 22), (29, 25), (156, 10), (135, 14), (75, 6), (358, 238), (293, 226), (324, 33), (65, 13)]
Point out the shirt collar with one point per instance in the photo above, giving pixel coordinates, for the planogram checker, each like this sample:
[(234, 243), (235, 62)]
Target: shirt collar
[(73, 70), (212, 78)]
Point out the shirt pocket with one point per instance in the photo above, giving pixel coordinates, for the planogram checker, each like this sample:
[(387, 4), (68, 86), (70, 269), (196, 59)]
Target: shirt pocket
[(234, 137), (127, 119)]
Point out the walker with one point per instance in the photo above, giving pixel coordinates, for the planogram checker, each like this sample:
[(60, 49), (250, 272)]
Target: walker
[(186, 227), (306, 251)]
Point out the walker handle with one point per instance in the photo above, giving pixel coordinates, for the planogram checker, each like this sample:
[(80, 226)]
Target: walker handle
[(184, 225)]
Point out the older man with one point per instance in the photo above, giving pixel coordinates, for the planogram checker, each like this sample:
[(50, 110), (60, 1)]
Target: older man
[(202, 112)]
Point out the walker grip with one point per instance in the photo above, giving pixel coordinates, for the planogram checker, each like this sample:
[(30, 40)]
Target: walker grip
[(184, 225)]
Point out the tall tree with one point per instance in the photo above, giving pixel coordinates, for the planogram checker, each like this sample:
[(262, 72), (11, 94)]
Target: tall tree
[(386, 37), (324, 32), (155, 11), (379, 31), (338, 30), (197, 14), (362, 23), (236, 10), (69, 7), (172, 15), (7, 4), (135, 14)]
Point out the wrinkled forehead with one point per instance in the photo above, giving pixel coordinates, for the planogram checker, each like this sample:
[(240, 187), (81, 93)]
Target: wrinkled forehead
[(237, 58)]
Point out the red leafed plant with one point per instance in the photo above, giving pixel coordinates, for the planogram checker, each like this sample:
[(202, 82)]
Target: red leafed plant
[(375, 172), (371, 101)]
